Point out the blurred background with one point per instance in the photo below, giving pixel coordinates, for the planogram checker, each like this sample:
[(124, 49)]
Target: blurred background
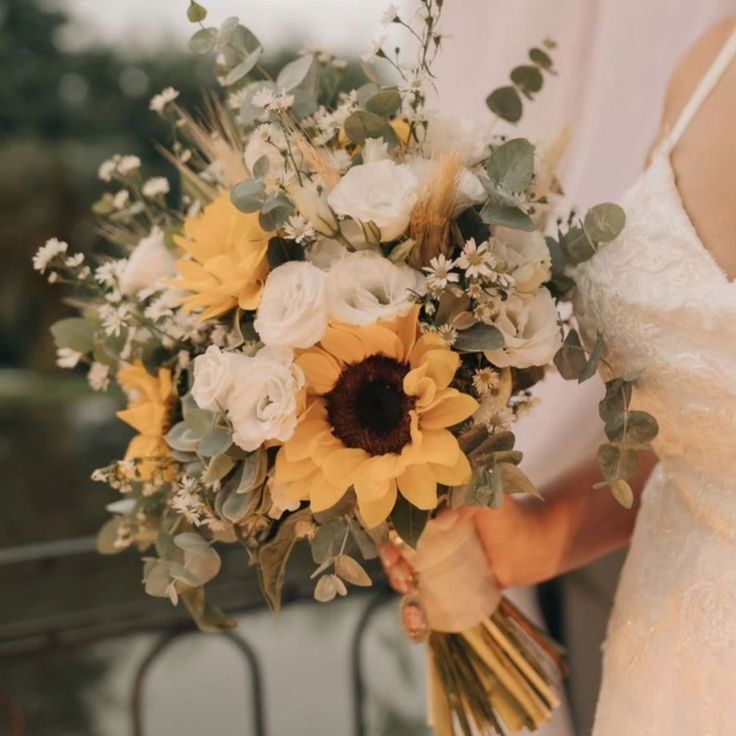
[(82, 649)]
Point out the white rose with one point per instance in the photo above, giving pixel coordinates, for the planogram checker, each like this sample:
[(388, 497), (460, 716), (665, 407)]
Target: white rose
[(214, 377), (464, 136), (375, 149), (293, 308), (148, 265), (381, 192), (267, 399), (365, 287), (524, 255), (529, 326)]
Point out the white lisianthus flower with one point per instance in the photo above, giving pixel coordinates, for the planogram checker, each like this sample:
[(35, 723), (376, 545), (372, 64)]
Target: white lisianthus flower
[(464, 136), (375, 149), (529, 326), (314, 207), (215, 374), (364, 287), (524, 256), (267, 399), (382, 192), (148, 265), (293, 308)]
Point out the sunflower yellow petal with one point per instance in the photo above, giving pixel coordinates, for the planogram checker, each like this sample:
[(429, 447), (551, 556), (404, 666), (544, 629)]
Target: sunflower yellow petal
[(418, 485), (376, 508), (320, 369), (441, 366), (453, 475), (436, 446), (428, 341), (340, 466), (306, 434), (417, 384), (288, 471), (450, 408), (406, 328), (342, 342), (322, 494)]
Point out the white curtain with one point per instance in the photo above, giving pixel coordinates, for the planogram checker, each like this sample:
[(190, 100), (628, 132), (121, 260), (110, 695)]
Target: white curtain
[(614, 59)]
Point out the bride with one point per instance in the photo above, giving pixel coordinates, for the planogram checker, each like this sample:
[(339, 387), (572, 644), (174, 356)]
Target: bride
[(665, 295)]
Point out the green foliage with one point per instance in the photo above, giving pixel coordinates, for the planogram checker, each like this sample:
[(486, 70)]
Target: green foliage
[(478, 338), (196, 13), (527, 80), (408, 521), (511, 166), (362, 124)]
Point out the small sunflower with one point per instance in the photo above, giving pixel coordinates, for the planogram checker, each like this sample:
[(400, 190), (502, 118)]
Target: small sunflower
[(228, 263), (380, 404), (150, 400)]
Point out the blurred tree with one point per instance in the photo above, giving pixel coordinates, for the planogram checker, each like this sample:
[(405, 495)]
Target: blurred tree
[(60, 115)]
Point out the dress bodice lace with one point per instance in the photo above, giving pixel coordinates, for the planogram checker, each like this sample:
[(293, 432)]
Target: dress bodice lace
[(664, 306)]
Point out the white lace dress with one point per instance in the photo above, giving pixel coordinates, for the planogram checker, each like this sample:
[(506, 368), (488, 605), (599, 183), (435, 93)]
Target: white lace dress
[(664, 304)]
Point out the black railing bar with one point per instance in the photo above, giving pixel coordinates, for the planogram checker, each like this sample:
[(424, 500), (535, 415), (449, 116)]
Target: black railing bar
[(41, 551)]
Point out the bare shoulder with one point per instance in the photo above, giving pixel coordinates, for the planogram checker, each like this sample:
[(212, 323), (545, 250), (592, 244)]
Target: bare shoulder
[(693, 66)]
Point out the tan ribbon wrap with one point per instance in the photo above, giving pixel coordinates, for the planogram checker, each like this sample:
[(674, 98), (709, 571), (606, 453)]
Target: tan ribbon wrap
[(454, 579)]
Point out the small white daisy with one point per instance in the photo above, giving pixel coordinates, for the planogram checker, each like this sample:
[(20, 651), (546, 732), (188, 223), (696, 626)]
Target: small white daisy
[(47, 252), (67, 358), (440, 273), (120, 199), (475, 260), (128, 164), (99, 376), (156, 187), (299, 229), (485, 380), (162, 99)]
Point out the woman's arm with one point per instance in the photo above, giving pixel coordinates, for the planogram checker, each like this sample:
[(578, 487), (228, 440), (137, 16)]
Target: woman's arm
[(528, 541)]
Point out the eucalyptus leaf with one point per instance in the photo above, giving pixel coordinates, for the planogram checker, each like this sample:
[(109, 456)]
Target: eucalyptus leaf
[(617, 462), (511, 165), (325, 590), (253, 474), (528, 79), (157, 578), (616, 401), (215, 442), (384, 103), (506, 103), (249, 113), (479, 338), (75, 333), (226, 30), (200, 421), (181, 437), (275, 211), (362, 124), (218, 467), (195, 12), (206, 616), (363, 541), (352, 571), (203, 40), (294, 73), (273, 556), (632, 428), (108, 535), (505, 216), (261, 167), (235, 506), (604, 222), (556, 254), (515, 480), (570, 359), (249, 195), (328, 540), (541, 58), (243, 68), (408, 521), (577, 245), (622, 492)]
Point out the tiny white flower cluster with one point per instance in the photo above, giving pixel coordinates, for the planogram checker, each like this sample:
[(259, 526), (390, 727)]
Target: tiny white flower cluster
[(122, 165), (163, 99)]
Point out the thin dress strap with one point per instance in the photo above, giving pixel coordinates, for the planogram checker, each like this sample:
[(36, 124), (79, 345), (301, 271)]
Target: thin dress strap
[(704, 88)]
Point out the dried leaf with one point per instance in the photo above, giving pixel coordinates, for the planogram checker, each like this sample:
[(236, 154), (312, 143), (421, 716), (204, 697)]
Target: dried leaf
[(351, 570)]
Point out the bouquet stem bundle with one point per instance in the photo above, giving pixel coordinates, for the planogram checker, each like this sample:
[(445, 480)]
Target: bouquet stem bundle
[(495, 678)]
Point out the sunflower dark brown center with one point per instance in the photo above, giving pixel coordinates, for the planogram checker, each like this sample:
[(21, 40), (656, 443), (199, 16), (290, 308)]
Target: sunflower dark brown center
[(368, 408)]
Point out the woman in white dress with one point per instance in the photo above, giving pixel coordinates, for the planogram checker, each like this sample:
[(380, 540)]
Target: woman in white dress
[(664, 297)]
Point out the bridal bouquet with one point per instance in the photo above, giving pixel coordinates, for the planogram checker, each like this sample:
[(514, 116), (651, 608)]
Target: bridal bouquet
[(329, 333)]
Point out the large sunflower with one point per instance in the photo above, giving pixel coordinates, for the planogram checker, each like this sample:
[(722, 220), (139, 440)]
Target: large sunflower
[(228, 264), (379, 408), (150, 400)]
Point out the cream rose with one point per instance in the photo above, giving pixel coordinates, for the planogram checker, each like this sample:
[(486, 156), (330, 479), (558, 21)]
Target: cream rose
[(525, 256), (464, 136), (529, 326), (381, 192), (215, 374), (293, 308), (148, 265), (365, 287), (267, 399)]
